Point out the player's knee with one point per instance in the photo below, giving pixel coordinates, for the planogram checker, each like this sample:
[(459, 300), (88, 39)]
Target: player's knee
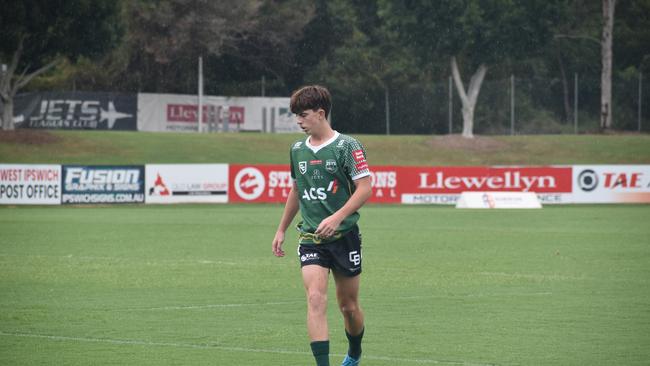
[(349, 308), (317, 300)]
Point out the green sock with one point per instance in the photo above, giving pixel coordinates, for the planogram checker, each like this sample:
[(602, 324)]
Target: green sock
[(321, 351), (354, 350)]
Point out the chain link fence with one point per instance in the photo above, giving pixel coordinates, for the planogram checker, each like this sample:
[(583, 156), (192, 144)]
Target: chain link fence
[(507, 106)]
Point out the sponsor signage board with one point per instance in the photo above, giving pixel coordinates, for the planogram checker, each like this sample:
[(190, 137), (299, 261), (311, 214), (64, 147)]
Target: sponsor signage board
[(27, 184), (413, 185), (272, 183), (259, 183), (102, 184), (490, 200), (611, 184), (443, 185), (76, 111), (186, 183), (179, 113)]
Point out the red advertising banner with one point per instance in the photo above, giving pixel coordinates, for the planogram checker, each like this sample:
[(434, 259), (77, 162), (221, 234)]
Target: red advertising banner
[(443, 185), (399, 184), (259, 183)]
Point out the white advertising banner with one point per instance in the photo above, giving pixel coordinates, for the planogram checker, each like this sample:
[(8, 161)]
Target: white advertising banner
[(186, 183), (179, 113), (611, 184), (30, 184)]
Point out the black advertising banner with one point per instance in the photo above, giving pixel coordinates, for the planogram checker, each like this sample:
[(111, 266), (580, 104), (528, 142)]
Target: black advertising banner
[(76, 111), (102, 184)]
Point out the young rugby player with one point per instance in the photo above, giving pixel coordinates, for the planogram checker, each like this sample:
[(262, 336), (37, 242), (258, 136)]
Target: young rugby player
[(331, 181)]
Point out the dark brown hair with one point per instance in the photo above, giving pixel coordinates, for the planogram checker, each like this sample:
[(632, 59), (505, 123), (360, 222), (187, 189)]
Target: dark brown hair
[(311, 97)]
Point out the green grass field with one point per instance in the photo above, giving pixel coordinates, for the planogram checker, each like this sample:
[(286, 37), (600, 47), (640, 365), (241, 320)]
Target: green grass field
[(107, 147), (198, 285)]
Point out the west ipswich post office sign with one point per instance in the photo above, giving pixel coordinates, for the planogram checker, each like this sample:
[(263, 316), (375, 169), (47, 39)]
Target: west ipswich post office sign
[(30, 184)]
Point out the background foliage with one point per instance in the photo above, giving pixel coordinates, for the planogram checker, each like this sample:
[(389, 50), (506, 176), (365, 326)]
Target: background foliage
[(362, 50)]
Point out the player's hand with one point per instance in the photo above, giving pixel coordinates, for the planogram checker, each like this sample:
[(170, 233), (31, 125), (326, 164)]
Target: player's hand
[(278, 240), (328, 226)]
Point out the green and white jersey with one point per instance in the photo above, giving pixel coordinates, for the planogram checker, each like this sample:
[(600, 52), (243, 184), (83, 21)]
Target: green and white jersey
[(325, 176)]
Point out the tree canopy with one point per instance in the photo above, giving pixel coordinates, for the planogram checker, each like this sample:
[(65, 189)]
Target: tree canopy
[(364, 51)]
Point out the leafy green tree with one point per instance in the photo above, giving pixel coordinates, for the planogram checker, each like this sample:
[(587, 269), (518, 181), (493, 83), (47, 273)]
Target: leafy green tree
[(237, 39), (475, 33), (36, 34)]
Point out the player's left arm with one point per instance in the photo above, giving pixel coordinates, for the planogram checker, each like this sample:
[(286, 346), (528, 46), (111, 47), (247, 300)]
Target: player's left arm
[(361, 194)]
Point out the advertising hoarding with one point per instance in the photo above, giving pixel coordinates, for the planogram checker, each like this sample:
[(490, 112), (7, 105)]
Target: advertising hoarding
[(611, 184), (30, 184), (413, 185), (187, 183), (102, 184), (179, 113), (76, 111)]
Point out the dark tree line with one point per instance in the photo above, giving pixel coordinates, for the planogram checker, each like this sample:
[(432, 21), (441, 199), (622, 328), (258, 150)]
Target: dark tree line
[(367, 52)]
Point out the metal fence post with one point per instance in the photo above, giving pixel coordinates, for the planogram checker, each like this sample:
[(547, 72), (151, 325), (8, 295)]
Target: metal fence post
[(387, 112), (451, 105), (575, 103), (640, 98), (512, 104)]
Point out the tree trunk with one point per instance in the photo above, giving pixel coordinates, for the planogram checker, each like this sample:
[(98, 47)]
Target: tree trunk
[(8, 115), (468, 98), (11, 82), (606, 75)]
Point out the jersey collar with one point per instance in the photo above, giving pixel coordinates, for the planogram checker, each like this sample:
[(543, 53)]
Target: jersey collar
[(315, 149)]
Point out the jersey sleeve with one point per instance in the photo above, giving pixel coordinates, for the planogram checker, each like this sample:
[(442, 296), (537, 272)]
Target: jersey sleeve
[(354, 160), (293, 171)]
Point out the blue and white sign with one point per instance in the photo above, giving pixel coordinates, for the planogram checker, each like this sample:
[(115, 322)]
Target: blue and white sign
[(103, 184)]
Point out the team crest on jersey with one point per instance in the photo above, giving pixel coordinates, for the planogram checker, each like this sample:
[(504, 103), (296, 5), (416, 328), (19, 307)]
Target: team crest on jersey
[(302, 166), (330, 166)]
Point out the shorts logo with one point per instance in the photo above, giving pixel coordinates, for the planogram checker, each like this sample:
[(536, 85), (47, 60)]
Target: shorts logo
[(355, 258), (330, 166), (302, 165), (308, 257)]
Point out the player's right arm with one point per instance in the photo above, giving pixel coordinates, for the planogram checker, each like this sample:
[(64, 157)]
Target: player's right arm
[(290, 210)]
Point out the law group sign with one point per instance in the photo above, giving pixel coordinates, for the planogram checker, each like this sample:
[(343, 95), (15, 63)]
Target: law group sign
[(187, 183), (27, 184)]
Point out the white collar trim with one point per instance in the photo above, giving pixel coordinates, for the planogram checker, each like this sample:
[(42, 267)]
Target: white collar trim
[(315, 149)]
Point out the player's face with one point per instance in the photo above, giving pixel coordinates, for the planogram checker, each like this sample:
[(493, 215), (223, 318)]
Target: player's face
[(310, 119)]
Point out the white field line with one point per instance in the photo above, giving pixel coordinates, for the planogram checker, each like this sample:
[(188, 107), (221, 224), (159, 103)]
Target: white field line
[(143, 261), (136, 342), (292, 302), (213, 306), (476, 295)]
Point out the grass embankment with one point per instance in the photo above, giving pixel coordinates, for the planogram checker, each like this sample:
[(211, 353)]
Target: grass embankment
[(102, 147)]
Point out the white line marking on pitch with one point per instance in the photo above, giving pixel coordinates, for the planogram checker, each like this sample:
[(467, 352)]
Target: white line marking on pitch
[(135, 342), (211, 306)]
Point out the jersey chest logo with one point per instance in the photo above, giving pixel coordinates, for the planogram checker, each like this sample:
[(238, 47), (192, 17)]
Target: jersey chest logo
[(302, 166), (330, 166)]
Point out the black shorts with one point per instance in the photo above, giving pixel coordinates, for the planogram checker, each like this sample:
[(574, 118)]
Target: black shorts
[(342, 255)]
